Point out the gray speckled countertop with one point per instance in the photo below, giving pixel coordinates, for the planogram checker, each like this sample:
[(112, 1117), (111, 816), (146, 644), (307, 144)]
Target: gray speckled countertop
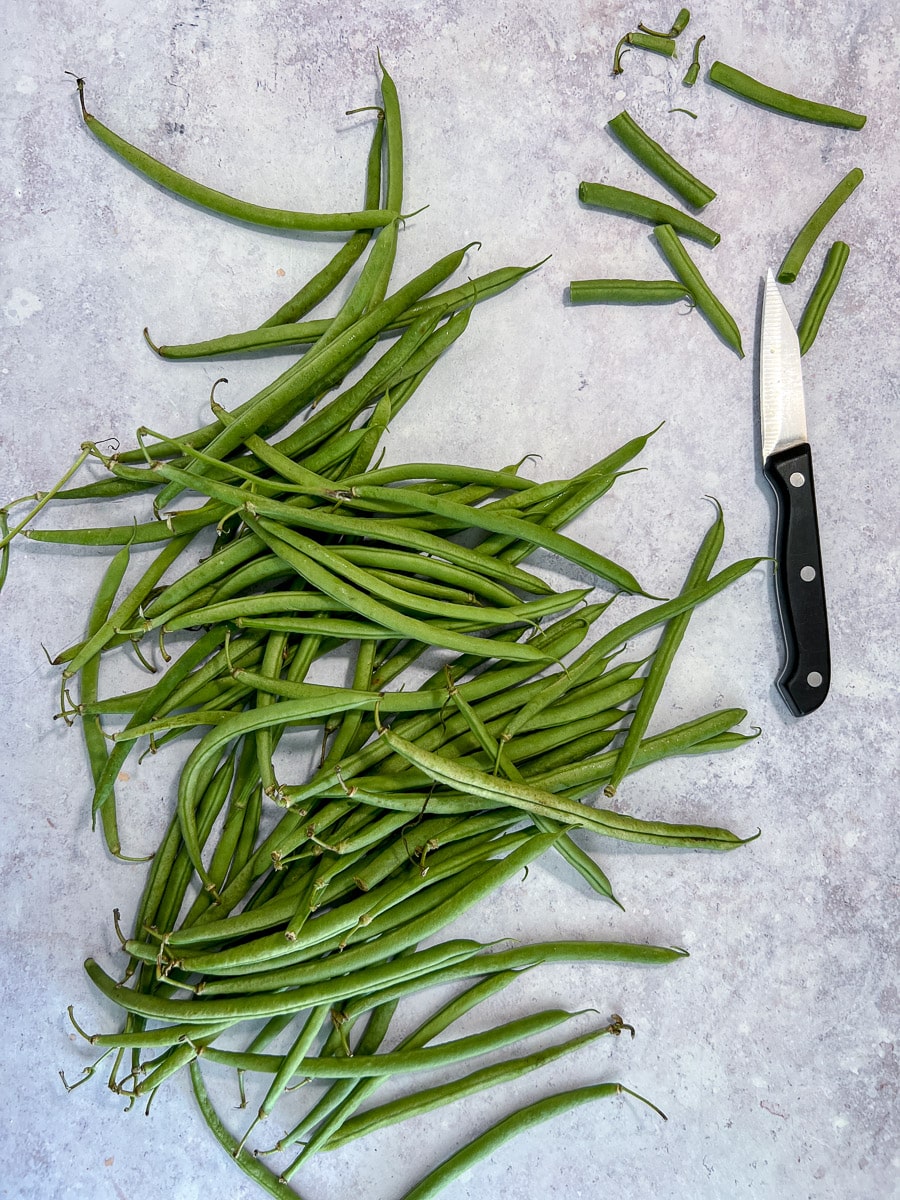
[(772, 1048)]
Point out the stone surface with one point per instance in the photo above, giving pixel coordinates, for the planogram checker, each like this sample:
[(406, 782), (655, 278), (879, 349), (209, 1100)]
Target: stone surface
[(772, 1048)]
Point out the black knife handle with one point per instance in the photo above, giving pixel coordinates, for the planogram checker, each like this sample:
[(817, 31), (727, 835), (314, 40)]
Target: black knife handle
[(799, 586)]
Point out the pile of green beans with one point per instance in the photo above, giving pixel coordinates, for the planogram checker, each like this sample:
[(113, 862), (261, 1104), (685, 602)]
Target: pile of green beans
[(290, 908)]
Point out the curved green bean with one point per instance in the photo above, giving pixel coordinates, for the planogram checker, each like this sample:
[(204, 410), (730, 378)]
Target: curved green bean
[(665, 653), (219, 202), (518, 1121)]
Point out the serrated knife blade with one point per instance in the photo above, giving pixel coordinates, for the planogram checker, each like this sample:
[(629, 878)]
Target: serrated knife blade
[(787, 464)]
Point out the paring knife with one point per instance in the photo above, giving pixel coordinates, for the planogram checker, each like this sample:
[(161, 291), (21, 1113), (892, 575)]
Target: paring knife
[(787, 464)]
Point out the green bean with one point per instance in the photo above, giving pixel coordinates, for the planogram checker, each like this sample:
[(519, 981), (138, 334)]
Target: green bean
[(381, 924), (546, 803), (350, 403), (572, 853), (611, 641), (658, 162), (537, 953), (360, 577), (105, 489), (290, 1063), (288, 711), (747, 88), (92, 730), (820, 297), (242, 787), (219, 202), (394, 140), (402, 1061), (808, 235), (272, 1004), (4, 550), (418, 1103), (480, 287), (260, 604), (627, 291), (678, 25), (76, 656), (370, 1042), (179, 525), (633, 204), (709, 304), (643, 41), (248, 1163), (523, 1118), (691, 74), (325, 281), (284, 334), (665, 653)]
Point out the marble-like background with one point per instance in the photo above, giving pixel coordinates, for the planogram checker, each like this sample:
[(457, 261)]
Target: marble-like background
[(772, 1048)]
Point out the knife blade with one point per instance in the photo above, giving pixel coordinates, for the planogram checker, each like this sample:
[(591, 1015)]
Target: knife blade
[(787, 465)]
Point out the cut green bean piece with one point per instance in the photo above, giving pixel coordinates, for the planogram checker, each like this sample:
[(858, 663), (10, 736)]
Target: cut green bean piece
[(820, 298), (654, 42), (708, 303), (747, 88), (627, 291), (659, 162), (691, 74), (679, 25), (633, 204), (808, 235)]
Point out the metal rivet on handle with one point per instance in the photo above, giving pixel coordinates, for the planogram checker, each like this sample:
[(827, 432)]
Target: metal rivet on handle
[(797, 479), (807, 574), (814, 679)]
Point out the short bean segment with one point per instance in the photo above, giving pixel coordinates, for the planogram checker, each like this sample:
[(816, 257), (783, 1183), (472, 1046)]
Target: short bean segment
[(659, 162), (820, 297), (627, 291)]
